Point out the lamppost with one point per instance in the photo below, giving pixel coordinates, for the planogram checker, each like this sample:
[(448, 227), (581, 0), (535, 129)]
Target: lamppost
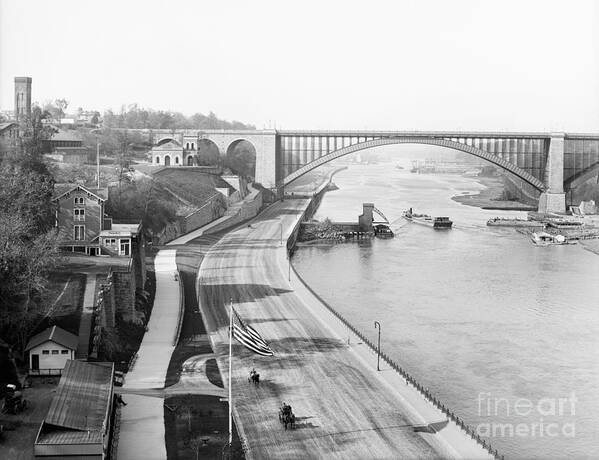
[(281, 224), (378, 349)]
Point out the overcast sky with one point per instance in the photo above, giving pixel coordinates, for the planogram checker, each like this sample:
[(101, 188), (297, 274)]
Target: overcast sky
[(402, 65)]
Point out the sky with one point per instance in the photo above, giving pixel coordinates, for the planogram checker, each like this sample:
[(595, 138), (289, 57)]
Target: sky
[(502, 65)]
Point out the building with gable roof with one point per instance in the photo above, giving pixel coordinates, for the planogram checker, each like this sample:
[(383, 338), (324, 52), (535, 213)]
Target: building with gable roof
[(50, 350), (80, 217), (167, 153)]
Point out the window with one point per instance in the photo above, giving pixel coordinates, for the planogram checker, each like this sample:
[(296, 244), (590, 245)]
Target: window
[(79, 214), (176, 160), (54, 352), (157, 160), (192, 146), (79, 200), (79, 231), (110, 241), (64, 352), (187, 146), (45, 352)]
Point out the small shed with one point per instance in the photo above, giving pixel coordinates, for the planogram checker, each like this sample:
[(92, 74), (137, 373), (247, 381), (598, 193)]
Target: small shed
[(78, 422), (49, 351)]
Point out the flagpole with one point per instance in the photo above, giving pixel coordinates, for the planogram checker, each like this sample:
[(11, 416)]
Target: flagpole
[(230, 370)]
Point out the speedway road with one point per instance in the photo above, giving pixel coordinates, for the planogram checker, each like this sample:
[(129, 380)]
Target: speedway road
[(343, 410)]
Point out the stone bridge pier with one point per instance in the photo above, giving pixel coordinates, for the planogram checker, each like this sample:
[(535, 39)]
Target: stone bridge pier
[(554, 198)]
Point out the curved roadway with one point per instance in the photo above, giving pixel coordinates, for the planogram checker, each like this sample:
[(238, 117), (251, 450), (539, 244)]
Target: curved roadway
[(343, 408)]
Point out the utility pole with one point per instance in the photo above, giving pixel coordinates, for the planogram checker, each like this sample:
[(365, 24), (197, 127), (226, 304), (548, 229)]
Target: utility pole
[(97, 133), (378, 349), (98, 160)]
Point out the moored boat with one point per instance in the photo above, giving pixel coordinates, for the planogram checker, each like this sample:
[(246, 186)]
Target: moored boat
[(383, 231), (546, 239)]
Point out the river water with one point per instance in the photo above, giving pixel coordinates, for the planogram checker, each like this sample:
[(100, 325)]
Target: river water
[(504, 332)]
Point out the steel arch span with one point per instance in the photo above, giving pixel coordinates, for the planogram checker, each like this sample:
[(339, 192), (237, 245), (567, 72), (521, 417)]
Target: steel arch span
[(496, 160)]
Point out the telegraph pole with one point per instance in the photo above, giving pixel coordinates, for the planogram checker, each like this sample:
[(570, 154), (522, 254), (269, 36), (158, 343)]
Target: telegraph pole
[(378, 349)]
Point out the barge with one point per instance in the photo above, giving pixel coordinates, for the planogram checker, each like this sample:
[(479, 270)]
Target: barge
[(438, 223), (507, 222)]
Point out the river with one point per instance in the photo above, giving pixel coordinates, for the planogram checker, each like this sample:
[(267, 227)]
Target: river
[(504, 332)]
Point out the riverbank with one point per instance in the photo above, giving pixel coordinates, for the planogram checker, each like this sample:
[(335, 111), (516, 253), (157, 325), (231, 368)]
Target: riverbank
[(490, 197), (447, 301), (442, 429)]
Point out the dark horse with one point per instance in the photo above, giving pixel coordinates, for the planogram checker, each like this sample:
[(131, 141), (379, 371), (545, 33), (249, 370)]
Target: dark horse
[(287, 417), (254, 377)]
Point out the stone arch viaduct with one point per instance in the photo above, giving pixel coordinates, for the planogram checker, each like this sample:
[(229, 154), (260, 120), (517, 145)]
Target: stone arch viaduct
[(549, 162)]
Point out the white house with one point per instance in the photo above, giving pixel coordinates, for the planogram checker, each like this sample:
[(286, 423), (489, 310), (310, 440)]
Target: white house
[(168, 153), (49, 351)]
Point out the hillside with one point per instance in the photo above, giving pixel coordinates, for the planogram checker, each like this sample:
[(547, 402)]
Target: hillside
[(194, 186)]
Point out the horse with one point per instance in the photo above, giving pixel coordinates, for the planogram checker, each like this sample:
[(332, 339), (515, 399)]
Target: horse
[(254, 378), (287, 417)]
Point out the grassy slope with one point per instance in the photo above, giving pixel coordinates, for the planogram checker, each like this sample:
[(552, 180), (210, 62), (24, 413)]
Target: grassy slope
[(192, 185)]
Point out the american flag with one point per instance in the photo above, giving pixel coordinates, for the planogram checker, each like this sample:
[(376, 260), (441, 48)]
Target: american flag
[(249, 338)]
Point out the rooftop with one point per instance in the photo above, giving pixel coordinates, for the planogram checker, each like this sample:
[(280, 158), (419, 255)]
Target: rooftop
[(69, 135), (122, 230), (79, 409), (5, 126), (54, 334), (170, 145), (63, 189)]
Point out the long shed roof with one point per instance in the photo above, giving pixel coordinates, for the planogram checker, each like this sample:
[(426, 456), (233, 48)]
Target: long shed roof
[(80, 406)]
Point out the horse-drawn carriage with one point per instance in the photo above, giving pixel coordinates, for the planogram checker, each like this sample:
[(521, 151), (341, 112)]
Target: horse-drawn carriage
[(286, 416)]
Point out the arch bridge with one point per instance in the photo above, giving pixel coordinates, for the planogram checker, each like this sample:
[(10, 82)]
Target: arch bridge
[(549, 162)]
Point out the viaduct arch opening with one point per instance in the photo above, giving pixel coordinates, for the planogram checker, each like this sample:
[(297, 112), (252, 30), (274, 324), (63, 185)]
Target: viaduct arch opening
[(208, 153), (241, 157), (494, 159)]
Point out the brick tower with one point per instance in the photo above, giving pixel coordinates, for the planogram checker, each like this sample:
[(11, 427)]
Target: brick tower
[(22, 97)]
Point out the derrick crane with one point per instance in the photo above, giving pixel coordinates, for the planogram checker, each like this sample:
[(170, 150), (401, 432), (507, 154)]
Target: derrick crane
[(374, 209)]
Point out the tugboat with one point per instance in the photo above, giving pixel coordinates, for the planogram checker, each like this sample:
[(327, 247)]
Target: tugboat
[(438, 223)]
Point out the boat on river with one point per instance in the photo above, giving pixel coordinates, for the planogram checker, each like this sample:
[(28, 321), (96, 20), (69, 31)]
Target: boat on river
[(547, 239), (383, 231), (508, 222), (438, 223)]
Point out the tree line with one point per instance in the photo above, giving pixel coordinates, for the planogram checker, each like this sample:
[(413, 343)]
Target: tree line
[(134, 117), (28, 246)]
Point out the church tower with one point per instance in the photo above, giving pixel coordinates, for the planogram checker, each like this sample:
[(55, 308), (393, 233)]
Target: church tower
[(22, 97)]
